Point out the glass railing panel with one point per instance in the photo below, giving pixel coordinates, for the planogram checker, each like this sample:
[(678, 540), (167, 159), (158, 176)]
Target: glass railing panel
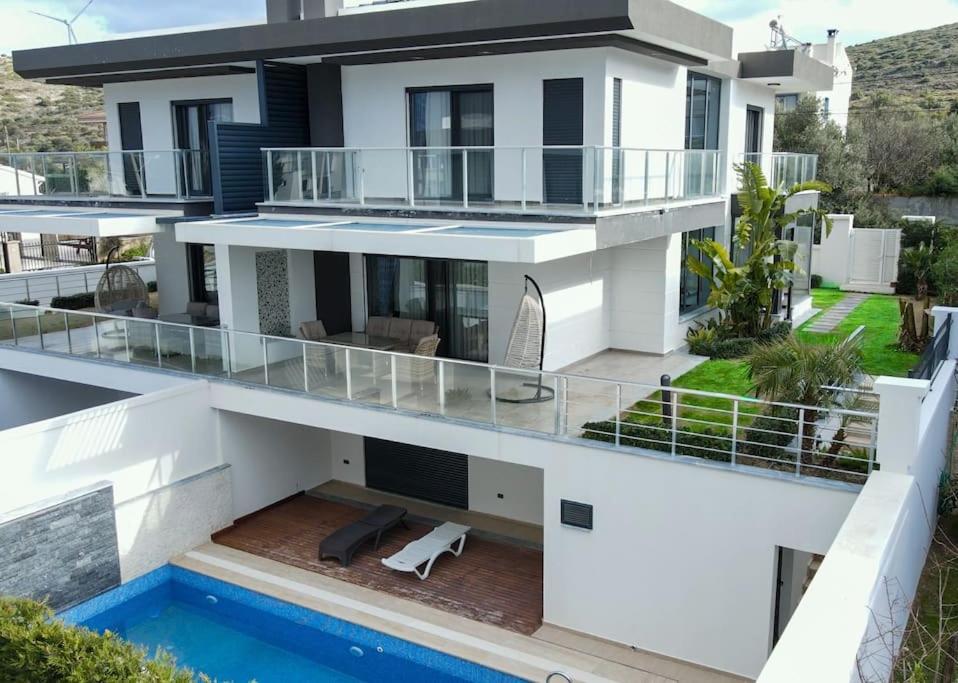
[(211, 351), (175, 343), (466, 391), (143, 342), (81, 334), (285, 364), (325, 370), (369, 376), (112, 337), (246, 357), (6, 324), (417, 384), (26, 326), (526, 400)]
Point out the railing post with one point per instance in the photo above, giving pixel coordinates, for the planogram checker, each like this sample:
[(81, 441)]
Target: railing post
[(645, 190), (557, 401), (315, 183), (16, 174), (265, 361), (410, 181), (675, 422), (226, 345), (96, 338), (126, 341), (394, 381), (269, 174), (597, 189), (329, 176), (305, 371), (358, 156), (735, 406), (26, 280), (299, 174), (668, 174), (193, 350), (66, 326), (492, 394), (159, 354), (465, 178), (74, 176), (442, 388), (618, 415), (565, 404), (40, 329), (13, 327), (349, 376), (801, 442), (525, 178)]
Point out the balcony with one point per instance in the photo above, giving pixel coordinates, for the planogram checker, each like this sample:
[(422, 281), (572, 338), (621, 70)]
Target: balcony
[(784, 169), (135, 175), (562, 181), (738, 432)]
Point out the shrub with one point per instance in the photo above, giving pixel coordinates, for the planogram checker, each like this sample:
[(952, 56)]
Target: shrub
[(768, 435), (944, 274), (709, 444), (74, 302), (37, 648), (709, 342), (28, 302), (816, 281), (151, 286)]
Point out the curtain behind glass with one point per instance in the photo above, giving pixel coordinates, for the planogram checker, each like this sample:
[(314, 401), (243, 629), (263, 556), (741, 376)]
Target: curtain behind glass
[(431, 123), (476, 130)]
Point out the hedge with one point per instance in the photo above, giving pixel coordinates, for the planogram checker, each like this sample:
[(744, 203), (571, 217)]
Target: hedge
[(35, 647), (28, 302), (738, 347), (74, 302)]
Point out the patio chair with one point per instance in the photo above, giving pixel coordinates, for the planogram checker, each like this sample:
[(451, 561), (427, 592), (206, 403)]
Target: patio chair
[(312, 330), (196, 308), (377, 326), (448, 538), (213, 312), (421, 368), (343, 543), (526, 347)]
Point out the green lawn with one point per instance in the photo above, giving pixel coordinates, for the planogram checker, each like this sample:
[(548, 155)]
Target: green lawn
[(824, 298), (719, 376), (879, 315)]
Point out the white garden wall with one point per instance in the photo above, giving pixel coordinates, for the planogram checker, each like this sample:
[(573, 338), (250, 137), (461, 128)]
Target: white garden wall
[(43, 285), (861, 260), (28, 398)]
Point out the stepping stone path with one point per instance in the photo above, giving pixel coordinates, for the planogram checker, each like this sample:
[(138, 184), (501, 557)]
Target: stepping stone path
[(829, 320)]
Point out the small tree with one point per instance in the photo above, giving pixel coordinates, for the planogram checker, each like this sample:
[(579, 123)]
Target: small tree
[(745, 293), (944, 273)]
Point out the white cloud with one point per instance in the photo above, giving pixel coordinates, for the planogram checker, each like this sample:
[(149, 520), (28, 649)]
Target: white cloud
[(20, 29), (858, 20)]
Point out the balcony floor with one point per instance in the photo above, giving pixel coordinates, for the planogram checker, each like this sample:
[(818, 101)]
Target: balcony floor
[(494, 582)]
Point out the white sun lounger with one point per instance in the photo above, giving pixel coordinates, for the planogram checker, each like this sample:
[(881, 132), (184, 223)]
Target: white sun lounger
[(440, 540)]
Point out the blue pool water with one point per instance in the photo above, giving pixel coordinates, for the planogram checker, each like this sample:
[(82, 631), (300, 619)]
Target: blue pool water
[(233, 634)]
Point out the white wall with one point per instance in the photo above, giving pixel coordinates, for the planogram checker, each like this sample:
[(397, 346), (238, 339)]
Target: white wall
[(520, 487), (29, 398), (347, 457), (43, 285), (576, 292), (156, 113), (859, 260), (270, 460), (737, 97), (172, 273), (682, 557), (375, 109), (302, 288), (646, 81)]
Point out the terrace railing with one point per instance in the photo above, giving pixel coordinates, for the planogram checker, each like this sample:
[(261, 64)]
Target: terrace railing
[(561, 179), (784, 169), (179, 174), (742, 432), (934, 354)]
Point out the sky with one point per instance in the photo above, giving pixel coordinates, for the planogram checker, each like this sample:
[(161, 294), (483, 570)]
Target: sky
[(858, 20)]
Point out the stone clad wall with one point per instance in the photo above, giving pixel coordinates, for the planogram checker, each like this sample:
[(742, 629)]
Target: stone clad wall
[(63, 551)]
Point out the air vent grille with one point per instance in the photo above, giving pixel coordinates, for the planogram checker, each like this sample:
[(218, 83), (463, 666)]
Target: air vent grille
[(575, 514)]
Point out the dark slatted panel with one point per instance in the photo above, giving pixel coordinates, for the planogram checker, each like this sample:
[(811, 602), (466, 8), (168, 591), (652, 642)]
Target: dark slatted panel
[(239, 161), (576, 514), (424, 473), (562, 124), (616, 140)]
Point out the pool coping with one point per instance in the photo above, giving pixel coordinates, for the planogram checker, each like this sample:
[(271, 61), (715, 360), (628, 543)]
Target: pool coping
[(483, 644)]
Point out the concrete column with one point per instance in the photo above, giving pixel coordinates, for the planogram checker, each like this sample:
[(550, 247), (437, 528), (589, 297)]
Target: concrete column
[(940, 314), (11, 257), (899, 421)]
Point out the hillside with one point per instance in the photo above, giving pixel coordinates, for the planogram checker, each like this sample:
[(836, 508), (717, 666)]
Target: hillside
[(45, 117), (915, 69)]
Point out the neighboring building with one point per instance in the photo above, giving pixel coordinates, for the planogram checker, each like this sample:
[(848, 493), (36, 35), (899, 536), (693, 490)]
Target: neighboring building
[(836, 101), (339, 165)]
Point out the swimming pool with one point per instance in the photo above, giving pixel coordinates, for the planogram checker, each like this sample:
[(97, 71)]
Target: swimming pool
[(233, 634)]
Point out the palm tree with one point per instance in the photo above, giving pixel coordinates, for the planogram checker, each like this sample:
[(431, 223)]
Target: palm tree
[(745, 293), (794, 371)]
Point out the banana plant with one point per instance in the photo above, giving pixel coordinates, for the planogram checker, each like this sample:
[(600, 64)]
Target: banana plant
[(745, 293)]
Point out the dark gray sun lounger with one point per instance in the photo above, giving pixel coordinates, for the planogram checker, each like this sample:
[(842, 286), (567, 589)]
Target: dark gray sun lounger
[(343, 543)]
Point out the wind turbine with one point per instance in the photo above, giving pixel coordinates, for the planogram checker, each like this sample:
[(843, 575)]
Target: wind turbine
[(71, 36)]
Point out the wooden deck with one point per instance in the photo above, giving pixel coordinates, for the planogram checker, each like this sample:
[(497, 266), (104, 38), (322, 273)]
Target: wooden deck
[(492, 582)]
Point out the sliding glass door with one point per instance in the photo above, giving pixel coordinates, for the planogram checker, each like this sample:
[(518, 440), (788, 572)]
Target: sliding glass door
[(191, 121), (452, 294), (449, 118)]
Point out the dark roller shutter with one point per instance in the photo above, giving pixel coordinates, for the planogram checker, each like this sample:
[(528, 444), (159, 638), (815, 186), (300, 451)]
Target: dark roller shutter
[(424, 473), (562, 124), (616, 140)]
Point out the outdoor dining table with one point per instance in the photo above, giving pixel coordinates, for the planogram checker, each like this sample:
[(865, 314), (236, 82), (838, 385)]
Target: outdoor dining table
[(361, 340), (189, 319)]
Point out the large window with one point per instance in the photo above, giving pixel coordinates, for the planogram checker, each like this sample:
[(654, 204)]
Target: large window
[(703, 98), (445, 118), (191, 121), (695, 290), (452, 294), (202, 264)]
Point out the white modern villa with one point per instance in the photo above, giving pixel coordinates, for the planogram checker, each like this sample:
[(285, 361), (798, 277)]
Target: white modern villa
[(349, 204)]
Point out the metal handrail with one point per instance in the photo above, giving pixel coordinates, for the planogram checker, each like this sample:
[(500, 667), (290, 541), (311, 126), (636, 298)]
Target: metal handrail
[(786, 423)]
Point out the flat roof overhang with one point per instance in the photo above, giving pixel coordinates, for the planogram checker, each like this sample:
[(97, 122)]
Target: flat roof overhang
[(786, 70), (54, 221), (657, 27), (474, 242)]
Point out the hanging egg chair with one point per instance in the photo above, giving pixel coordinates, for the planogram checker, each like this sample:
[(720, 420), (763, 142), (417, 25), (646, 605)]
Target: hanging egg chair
[(120, 289)]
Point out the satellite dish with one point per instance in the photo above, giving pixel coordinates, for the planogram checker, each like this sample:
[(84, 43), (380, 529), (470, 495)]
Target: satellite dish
[(71, 36)]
